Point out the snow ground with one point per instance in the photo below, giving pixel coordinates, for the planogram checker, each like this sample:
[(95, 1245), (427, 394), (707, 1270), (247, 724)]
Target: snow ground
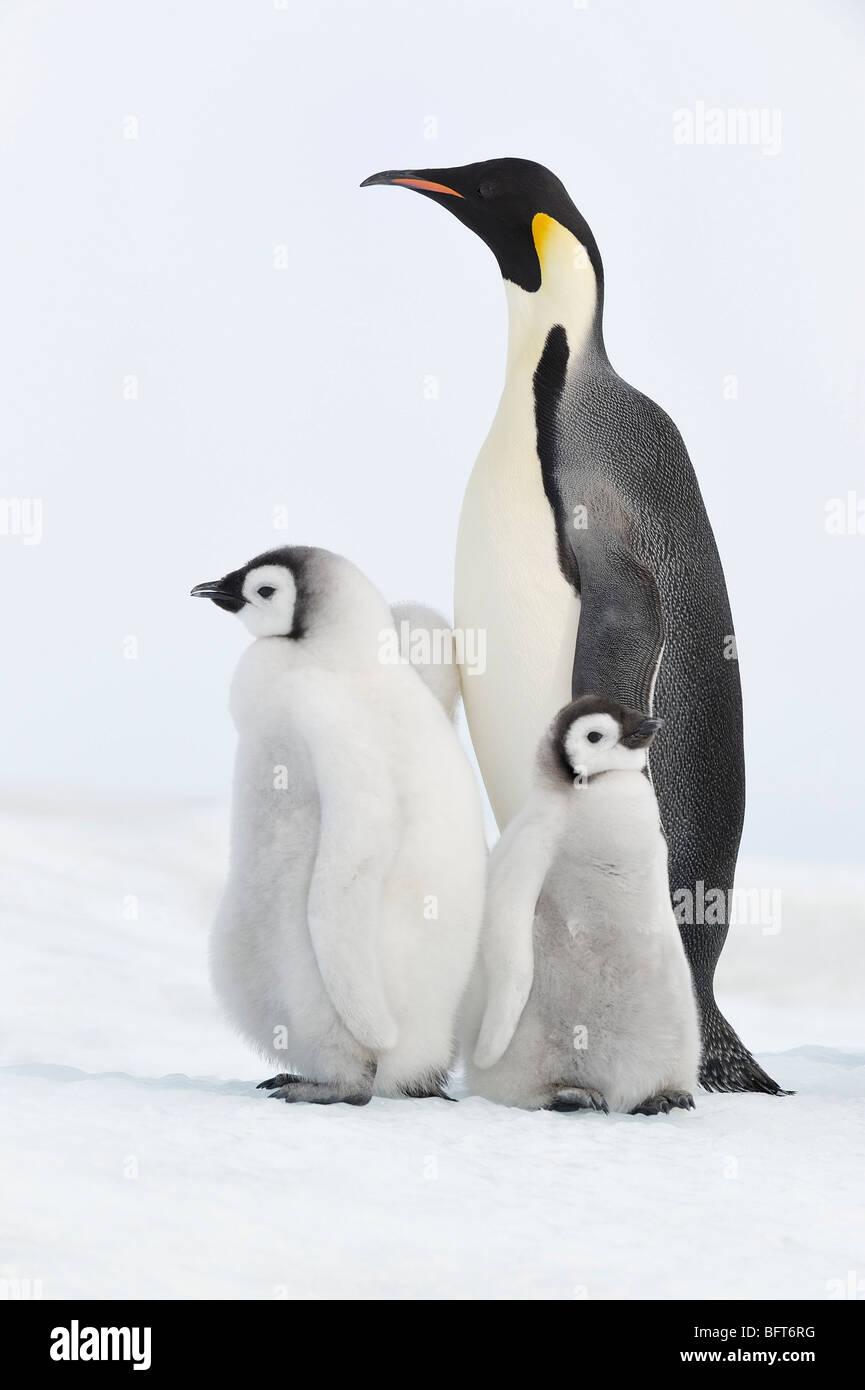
[(139, 1161)]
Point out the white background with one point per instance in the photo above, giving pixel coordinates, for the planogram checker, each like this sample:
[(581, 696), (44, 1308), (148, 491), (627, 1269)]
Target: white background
[(304, 387)]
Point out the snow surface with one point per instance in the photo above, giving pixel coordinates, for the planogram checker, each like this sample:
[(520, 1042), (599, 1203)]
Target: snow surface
[(138, 1160)]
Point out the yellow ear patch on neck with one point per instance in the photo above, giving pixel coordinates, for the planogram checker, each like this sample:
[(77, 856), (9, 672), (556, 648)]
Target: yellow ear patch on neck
[(556, 246), (544, 229)]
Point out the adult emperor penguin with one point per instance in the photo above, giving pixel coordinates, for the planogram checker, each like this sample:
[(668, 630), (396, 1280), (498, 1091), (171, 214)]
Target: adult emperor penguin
[(583, 998), (585, 553), (349, 924)]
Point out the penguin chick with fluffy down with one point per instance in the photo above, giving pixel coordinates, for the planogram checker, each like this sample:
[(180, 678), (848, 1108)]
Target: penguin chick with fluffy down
[(350, 920), (583, 996)]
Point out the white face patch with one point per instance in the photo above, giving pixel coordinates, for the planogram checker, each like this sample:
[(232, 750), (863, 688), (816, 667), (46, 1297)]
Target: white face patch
[(271, 595), (592, 744)]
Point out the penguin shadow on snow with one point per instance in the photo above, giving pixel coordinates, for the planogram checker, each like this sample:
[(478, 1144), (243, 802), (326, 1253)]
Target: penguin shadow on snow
[(56, 1073)]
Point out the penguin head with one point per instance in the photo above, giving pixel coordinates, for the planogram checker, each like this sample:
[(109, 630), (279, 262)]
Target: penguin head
[(512, 205), (593, 735), (309, 596), (264, 594)]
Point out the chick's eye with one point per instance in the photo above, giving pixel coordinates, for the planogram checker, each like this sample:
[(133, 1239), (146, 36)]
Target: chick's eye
[(594, 736), (266, 591)]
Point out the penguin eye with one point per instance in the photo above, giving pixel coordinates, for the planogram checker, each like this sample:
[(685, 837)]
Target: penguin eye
[(487, 189), (266, 591), (594, 736)]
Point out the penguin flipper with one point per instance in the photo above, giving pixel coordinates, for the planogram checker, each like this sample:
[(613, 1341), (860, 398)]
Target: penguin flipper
[(518, 866), (620, 638), (358, 835)]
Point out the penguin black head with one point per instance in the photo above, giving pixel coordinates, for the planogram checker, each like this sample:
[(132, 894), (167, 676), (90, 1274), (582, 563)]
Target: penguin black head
[(593, 735), (270, 595), (512, 204)]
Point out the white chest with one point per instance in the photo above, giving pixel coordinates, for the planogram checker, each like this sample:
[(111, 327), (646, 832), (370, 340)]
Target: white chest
[(509, 586)]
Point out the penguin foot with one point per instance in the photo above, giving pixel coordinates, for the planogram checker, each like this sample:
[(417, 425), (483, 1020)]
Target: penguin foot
[(298, 1091), (664, 1102), (285, 1078), (569, 1098)]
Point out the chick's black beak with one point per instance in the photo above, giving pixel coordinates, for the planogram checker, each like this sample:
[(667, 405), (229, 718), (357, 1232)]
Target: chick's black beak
[(650, 727), (424, 180), (221, 597), (644, 732)]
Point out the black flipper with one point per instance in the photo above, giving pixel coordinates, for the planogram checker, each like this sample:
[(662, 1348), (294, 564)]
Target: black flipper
[(621, 632)]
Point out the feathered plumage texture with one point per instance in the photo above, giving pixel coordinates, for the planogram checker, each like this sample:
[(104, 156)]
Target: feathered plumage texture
[(351, 915)]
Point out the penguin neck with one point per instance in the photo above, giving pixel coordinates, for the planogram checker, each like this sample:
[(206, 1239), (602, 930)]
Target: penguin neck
[(348, 630), (571, 294)]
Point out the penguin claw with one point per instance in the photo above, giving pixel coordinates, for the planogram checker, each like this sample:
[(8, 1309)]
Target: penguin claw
[(570, 1098), (664, 1102), (285, 1078)]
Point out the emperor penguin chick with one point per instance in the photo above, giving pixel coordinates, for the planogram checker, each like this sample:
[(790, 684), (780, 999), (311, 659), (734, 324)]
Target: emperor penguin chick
[(350, 920), (583, 996)]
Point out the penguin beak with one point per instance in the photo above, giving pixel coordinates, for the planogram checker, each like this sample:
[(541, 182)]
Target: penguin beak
[(644, 732), (213, 590), (421, 179), (209, 590)]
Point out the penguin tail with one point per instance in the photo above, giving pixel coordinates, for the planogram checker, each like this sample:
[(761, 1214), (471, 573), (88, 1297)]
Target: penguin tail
[(727, 1065), (430, 1087)]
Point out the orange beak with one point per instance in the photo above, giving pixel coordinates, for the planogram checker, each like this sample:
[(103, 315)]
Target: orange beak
[(408, 179), (428, 186)]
